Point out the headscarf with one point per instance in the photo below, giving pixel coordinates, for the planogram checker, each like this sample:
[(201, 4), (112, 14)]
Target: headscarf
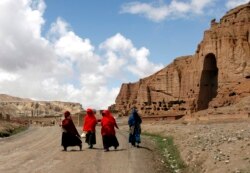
[(90, 111), (90, 121), (108, 123), (68, 125), (134, 118), (66, 114)]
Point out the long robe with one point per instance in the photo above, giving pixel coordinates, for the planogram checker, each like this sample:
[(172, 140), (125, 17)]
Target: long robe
[(70, 135), (89, 125), (108, 124), (134, 123)]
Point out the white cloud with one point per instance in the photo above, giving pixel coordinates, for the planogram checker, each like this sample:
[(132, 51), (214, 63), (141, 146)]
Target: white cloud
[(142, 66), (233, 3), (148, 10), (19, 34), (6, 76), (72, 49), (159, 11), (199, 6), (58, 29), (117, 43), (112, 66), (124, 57), (179, 7), (63, 66)]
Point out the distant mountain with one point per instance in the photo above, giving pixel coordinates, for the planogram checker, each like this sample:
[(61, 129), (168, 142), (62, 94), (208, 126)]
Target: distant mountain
[(8, 98), (25, 107)]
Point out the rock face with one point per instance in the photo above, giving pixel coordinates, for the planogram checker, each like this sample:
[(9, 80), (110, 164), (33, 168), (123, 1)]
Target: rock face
[(18, 107), (217, 75)]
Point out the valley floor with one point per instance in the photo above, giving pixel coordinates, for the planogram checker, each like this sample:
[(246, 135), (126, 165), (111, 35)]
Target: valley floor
[(38, 150), (207, 146), (221, 146)]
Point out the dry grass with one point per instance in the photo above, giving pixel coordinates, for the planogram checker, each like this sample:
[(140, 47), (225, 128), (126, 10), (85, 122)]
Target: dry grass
[(10, 128)]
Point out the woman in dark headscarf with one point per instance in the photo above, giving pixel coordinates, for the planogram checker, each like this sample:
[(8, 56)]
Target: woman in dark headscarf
[(108, 124), (89, 125), (134, 123), (70, 135)]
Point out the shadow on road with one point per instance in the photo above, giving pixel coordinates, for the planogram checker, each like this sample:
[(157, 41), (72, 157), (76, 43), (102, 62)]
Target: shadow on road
[(72, 150), (142, 147)]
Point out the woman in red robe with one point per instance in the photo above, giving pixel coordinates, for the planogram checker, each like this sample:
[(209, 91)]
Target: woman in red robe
[(108, 125), (70, 135), (89, 125)]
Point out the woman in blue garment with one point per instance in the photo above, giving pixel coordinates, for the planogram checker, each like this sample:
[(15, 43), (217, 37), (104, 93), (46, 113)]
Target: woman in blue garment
[(134, 123)]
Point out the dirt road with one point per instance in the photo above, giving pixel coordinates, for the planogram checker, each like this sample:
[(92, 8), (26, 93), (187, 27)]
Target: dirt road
[(38, 150)]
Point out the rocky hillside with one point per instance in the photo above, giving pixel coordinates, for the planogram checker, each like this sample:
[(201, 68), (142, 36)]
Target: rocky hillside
[(217, 75), (19, 107), (8, 98)]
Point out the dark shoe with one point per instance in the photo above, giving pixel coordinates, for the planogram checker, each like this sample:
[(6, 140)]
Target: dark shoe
[(115, 147), (80, 146), (64, 148), (91, 146), (138, 146), (106, 150)]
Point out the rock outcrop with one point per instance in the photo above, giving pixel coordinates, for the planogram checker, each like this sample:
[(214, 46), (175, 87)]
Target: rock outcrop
[(217, 75), (18, 107)]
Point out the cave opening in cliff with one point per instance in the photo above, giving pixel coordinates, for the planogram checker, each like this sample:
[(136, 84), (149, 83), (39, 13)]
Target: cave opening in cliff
[(208, 82)]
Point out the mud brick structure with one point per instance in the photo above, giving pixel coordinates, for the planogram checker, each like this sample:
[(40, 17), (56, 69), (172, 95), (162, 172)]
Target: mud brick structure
[(217, 75)]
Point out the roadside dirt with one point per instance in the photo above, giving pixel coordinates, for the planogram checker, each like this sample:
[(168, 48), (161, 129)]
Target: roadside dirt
[(209, 146), (38, 150)]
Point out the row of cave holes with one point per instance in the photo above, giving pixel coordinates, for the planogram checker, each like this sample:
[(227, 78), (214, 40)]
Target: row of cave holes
[(161, 103), (164, 109), (163, 106), (170, 103)]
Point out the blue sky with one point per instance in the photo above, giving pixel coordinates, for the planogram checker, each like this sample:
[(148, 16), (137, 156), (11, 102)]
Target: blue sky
[(82, 51)]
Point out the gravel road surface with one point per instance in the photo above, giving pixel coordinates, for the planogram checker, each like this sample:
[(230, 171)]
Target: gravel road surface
[(38, 150)]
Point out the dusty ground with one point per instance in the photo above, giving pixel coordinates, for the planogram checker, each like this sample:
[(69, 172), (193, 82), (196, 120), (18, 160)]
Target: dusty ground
[(38, 150), (206, 145), (209, 146)]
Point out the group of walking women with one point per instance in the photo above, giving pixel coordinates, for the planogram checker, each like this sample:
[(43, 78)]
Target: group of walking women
[(71, 137)]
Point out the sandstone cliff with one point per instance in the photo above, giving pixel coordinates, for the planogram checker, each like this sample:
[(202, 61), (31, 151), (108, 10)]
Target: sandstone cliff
[(217, 75)]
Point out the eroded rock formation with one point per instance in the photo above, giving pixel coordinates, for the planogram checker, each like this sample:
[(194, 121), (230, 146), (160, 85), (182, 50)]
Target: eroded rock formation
[(18, 107), (217, 75)]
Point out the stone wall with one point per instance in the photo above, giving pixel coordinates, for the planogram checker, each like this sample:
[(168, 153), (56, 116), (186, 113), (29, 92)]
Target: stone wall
[(217, 75)]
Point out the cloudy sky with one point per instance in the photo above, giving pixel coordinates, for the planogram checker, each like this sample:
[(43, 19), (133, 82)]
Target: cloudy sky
[(82, 51)]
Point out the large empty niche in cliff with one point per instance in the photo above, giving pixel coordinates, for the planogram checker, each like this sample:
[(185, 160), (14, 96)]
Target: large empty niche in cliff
[(208, 82)]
